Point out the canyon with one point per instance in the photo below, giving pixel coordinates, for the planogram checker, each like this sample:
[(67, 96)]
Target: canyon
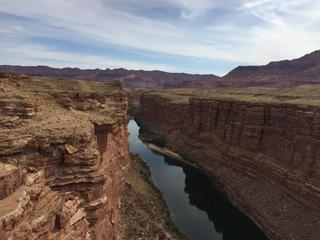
[(196, 206), (65, 168), (66, 171), (258, 145)]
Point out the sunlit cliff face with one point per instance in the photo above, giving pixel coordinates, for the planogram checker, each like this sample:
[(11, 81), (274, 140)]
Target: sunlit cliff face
[(64, 154)]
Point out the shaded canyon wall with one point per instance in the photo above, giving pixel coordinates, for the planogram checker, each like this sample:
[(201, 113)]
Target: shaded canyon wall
[(265, 156)]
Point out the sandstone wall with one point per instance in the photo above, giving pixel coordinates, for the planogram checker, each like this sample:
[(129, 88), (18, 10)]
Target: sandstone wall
[(160, 114), (281, 141), (73, 134), (34, 211), (263, 155)]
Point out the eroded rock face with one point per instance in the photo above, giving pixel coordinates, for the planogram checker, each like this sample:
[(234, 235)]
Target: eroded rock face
[(161, 114), (34, 211), (64, 155), (11, 178), (263, 155)]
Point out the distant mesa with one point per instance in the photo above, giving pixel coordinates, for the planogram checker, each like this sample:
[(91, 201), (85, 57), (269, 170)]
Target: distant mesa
[(304, 70), (131, 78)]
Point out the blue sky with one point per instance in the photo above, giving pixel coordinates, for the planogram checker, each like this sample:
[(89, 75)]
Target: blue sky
[(194, 36)]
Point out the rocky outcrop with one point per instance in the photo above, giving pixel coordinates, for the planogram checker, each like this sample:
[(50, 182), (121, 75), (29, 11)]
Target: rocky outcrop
[(263, 154), (64, 155), (11, 178), (34, 211)]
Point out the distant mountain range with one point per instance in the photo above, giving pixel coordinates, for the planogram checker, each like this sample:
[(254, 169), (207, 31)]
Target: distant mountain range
[(304, 70), (131, 78)]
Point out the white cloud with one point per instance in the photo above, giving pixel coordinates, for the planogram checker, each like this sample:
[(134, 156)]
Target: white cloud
[(271, 29), (290, 28), (107, 25), (18, 53), (193, 8)]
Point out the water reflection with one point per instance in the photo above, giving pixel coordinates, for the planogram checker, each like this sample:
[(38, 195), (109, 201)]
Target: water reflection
[(196, 207), (225, 218)]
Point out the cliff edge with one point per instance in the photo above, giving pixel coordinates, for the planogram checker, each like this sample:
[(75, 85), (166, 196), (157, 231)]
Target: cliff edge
[(260, 147), (64, 156)]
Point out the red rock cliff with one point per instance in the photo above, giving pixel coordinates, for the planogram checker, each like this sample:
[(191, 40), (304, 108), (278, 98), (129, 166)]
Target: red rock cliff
[(64, 155), (264, 155)]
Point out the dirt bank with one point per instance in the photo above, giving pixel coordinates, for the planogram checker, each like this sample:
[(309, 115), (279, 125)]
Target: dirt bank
[(144, 214)]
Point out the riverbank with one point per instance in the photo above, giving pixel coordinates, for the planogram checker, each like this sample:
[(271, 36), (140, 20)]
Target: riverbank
[(173, 155), (167, 152), (144, 213)]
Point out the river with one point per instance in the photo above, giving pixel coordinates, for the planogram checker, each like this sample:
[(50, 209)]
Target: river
[(197, 208)]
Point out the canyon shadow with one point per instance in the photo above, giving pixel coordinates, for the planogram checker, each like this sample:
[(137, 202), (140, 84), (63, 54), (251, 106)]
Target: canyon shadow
[(196, 206)]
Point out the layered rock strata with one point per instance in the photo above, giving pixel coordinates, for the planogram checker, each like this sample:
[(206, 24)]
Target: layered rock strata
[(263, 154), (64, 155)]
